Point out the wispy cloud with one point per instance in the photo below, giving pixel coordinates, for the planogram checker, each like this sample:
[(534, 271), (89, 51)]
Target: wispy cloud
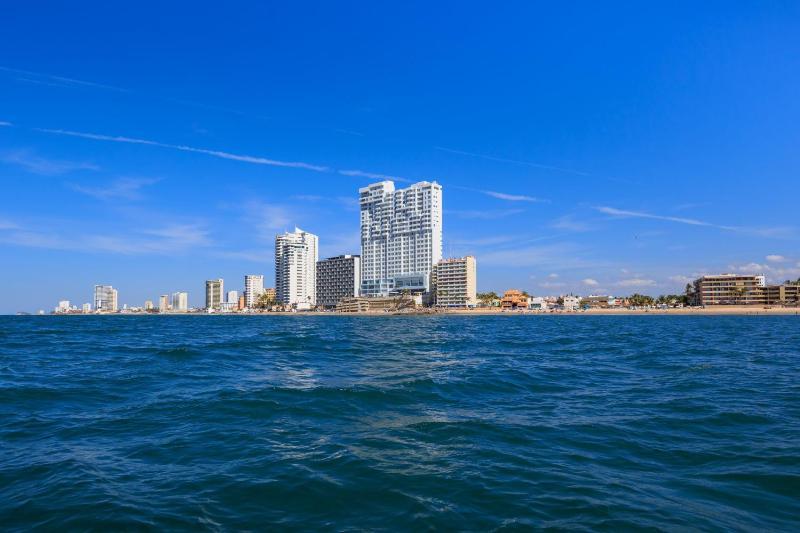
[(484, 214), (512, 161), (373, 176), (589, 282), (125, 188), (184, 148), (636, 282), (163, 240), (777, 232), (64, 81), (570, 223), (41, 165), (512, 197), (774, 258), (7, 224), (5, 123), (267, 219)]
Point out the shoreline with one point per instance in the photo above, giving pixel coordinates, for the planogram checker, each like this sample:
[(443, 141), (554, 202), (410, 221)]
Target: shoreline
[(708, 311)]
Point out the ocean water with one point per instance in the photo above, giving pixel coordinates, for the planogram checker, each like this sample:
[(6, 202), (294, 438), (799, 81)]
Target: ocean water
[(400, 423)]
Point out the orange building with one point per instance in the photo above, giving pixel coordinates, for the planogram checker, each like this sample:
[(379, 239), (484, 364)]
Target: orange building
[(514, 299)]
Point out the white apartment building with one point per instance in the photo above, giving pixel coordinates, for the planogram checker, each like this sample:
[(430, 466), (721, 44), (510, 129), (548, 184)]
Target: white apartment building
[(180, 301), (232, 297), (105, 298), (253, 289), (401, 237), (163, 303), (296, 256), (214, 291), (63, 307), (455, 282), (337, 278), (86, 308)]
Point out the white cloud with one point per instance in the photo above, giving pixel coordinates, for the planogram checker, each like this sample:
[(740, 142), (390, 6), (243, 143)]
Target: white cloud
[(776, 232), (126, 188), (552, 276), (372, 175), (5, 123), (512, 197), (775, 258), (40, 165), (268, 219), (552, 284), (636, 282), (681, 279), (590, 282), (184, 148), (513, 161), (164, 240), (485, 214), (569, 223)]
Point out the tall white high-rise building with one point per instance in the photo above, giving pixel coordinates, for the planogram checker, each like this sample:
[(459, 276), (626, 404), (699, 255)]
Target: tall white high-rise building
[(105, 298), (163, 303), (401, 237), (180, 301), (296, 257), (253, 288)]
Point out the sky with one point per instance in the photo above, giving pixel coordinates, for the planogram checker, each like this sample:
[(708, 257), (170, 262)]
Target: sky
[(589, 148)]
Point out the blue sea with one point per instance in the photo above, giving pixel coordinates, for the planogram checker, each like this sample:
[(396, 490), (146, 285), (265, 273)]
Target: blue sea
[(476, 423)]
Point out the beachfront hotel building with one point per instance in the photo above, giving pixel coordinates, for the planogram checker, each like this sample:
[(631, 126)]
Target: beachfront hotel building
[(180, 301), (105, 298), (214, 291), (337, 278), (253, 289), (738, 289), (729, 289), (163, 303), (455, 282), (401, 237), (296, 256)]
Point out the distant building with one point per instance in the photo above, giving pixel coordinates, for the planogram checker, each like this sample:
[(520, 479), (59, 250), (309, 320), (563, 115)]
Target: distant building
[(86, 308), (401, 237), (597, 302), (253, 289), (148, 305), (337, 277), (62, 307), (513, 299), (381, 304), (240, 304), (729, 289), (571, 302), (296, 256), (214, 291), (105, 298), (269, 292), (455, 282), (537, 303), (737, 289), (163, 303), (232, 297), (180, 301)]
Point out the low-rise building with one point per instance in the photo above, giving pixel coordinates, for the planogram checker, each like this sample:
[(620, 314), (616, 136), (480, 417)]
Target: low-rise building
[(571, 302), (729, 289), (454, 282), (514, 299), (373, 304), (537, 303)]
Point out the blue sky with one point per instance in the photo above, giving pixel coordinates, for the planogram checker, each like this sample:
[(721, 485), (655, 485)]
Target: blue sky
[(596, 149)]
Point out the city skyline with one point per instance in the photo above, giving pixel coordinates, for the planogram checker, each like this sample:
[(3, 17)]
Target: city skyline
[(565, 171)]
